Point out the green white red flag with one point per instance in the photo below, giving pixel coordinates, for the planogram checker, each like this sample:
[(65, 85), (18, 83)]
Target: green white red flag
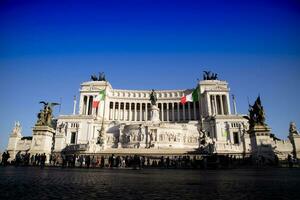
[(192, 97), (98, 98)]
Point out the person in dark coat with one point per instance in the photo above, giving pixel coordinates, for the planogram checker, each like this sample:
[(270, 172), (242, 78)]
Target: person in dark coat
[(5, 157), (43, 160), (87, 161)]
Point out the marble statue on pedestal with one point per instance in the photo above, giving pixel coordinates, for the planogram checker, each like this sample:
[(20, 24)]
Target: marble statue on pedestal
[(256, 114), (17, 129), (293, 129), (154, 109)]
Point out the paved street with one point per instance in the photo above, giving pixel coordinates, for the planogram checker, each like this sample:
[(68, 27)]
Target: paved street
[(57, 183)]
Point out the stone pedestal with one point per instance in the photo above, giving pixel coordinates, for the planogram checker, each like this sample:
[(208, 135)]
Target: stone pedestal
[(42, 140), (295, 140), (261, 143), (60, 142), (154, 114), (119, 145), (12, 145)]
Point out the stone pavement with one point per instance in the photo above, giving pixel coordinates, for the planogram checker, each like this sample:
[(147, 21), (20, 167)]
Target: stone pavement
[(122, 184)]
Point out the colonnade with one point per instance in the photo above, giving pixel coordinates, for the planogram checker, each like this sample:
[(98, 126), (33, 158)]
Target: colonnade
[(87, 108), (169, 111), (219, 105)]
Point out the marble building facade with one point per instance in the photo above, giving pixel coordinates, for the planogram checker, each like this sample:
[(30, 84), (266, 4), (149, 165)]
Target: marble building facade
[(123, 124)]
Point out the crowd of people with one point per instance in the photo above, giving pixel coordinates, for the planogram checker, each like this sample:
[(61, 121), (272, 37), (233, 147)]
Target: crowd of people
[(133, 161), (24, 159), (129, 161), (5, 157)]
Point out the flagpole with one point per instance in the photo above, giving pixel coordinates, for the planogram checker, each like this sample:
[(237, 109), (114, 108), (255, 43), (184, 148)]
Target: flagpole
[(102, 124), (234, 104), (104, 103)]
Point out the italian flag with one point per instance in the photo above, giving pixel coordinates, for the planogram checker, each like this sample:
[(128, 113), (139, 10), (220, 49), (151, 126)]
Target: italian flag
[(192, 97), (98, 98)]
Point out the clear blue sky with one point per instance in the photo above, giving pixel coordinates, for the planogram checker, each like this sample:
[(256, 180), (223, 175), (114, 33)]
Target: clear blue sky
[(47, 48)]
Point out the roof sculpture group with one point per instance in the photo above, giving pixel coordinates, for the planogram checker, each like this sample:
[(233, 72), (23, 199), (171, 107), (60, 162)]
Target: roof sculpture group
[(208, 75), (101, 77)]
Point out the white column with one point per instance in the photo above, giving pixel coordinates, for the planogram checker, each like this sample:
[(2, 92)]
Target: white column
[(234, 105), (228, 105), (81, 103), (231, 136), (173, 112), (113, 111), (87, 105), (135, 112), (208, 106), (94, 109), (124, 107), (215, 105), (119, 111), (130, 113), (146, 112), (127, 112), (141, 111), (124, 112), (162, 112), (221, 102), (168, 111)]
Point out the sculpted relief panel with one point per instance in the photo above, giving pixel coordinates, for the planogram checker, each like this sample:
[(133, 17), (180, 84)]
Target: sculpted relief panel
[(142, 136)]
